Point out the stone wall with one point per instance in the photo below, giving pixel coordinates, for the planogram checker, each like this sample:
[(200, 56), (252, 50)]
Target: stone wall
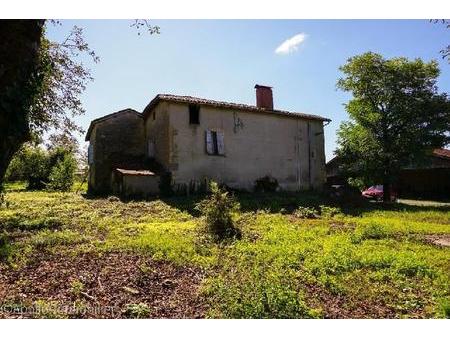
[(288, 149), (118, 142)]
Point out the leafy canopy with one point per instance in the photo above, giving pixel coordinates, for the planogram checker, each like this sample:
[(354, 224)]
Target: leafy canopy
[(396, 115)]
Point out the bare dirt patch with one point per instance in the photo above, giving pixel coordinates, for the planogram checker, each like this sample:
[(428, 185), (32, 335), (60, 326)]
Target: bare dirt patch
[(438, 240), (100, 286)]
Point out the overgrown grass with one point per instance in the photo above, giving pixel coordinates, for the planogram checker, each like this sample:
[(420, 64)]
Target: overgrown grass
[(369, 260)]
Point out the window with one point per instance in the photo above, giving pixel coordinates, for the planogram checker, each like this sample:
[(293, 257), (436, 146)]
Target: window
[(194, 114), (154, 115), (214, 143)]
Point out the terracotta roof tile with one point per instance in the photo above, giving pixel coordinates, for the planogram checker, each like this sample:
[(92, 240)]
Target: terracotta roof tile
[(230, 105), (441, 152)]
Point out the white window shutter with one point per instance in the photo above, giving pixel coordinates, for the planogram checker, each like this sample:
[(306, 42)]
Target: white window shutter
[(220, 144), (90, 154), (209, 143)]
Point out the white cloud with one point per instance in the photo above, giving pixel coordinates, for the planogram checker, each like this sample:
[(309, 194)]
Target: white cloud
[(291, 44)]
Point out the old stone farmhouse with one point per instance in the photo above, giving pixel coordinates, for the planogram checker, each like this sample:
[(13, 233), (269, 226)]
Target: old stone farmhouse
[(196, 140)]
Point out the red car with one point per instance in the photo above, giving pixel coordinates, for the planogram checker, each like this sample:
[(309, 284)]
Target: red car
[(376, 192)]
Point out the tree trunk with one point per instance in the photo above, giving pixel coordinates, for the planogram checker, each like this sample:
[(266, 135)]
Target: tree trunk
[(7, 151), (387, 188), (19, 60)]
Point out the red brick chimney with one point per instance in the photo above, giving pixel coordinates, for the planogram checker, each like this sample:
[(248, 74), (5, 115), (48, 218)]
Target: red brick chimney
[(264, 97)]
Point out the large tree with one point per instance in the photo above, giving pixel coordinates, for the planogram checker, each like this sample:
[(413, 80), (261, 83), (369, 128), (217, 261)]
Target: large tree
[(20, 80), (396, 116), (41, 82)]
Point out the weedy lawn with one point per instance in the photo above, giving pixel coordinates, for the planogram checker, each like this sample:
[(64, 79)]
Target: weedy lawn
[(152, 259)]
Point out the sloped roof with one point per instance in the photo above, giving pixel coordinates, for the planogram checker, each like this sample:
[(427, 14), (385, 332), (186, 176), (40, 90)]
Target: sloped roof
[(141, 172), (107, 117), (442, 153), (229, 105)]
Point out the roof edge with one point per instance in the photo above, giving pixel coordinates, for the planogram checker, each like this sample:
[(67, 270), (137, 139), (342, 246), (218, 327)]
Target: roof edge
[(106, 117), (220, 104)]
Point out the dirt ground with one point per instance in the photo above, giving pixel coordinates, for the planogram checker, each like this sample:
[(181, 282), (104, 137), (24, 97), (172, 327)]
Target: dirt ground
[(100, 286), (439, 240)]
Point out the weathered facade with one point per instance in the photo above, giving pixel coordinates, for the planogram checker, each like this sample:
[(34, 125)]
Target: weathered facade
[(115, 141), (197, 140)]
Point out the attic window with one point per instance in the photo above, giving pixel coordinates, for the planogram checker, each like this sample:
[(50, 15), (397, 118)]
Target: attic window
[(154, 115), (194, 114)]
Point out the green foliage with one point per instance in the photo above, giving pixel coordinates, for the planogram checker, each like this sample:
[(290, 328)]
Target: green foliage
[(137, 311), (357, 183), (446, 308), (64, 79), (62, 175), (306, 212), (218, 209), (249, 291), (33, 164), (76, 287), (266, 184), (5, 247), (282, 267), (396, 116), (3, 201), (54, 169), (373, 230), (328, 211)]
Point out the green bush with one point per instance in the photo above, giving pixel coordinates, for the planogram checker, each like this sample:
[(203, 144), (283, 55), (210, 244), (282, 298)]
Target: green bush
[(329, 212), (5, 247), (306, 212), (36, 167), (445, 305), (62, 175), (218, 209), (3, 201), (370, 231), (137, 311), (42, 168)]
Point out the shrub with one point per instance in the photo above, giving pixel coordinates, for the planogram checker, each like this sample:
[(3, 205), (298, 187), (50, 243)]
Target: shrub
[(5, 247), (445, 305), (40, 168), (76, 287), (306, 212), (137, 311), (36, 168), (217, 209), (3, 201), (329, 212), (62, 175), (370, 231), (266, 184)]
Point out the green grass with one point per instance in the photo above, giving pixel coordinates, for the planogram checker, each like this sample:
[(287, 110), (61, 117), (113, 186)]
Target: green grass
[(369, 260)]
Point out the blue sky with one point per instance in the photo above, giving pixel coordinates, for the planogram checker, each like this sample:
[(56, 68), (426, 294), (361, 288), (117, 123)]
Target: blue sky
[(224, 59)]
